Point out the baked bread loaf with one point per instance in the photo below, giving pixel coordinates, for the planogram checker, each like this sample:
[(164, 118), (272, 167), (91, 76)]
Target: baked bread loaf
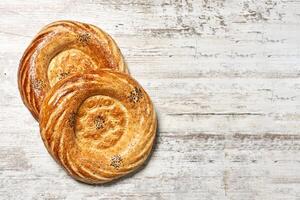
[(60, 49), (99, 127)]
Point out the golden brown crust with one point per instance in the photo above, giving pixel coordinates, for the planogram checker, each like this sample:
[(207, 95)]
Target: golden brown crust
[(60, 49), (99, 127)]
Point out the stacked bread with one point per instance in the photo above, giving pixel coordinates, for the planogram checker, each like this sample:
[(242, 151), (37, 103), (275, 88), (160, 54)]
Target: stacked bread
[(95, 120)]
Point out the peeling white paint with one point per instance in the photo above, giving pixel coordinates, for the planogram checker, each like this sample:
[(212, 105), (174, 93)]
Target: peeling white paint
[(225, 80)]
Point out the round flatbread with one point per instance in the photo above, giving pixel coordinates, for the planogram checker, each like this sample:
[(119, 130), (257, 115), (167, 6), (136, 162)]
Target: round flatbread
[(60, 49), (99, 127)]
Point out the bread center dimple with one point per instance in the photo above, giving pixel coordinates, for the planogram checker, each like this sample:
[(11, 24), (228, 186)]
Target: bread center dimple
[(69, 62), (100, 123)]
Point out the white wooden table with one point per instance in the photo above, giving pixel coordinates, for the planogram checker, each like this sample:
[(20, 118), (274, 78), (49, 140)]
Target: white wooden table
[(224, 77)]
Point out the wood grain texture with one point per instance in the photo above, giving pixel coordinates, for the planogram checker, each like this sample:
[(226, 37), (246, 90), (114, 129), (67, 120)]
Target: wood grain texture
[(224, 77)]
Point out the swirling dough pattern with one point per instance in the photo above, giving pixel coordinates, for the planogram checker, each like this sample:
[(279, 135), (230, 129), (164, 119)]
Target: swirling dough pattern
[(60, 49), (99, 127)]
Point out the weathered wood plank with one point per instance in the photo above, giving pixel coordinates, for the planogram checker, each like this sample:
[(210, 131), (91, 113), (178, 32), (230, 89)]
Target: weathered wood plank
[(225, 80)]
